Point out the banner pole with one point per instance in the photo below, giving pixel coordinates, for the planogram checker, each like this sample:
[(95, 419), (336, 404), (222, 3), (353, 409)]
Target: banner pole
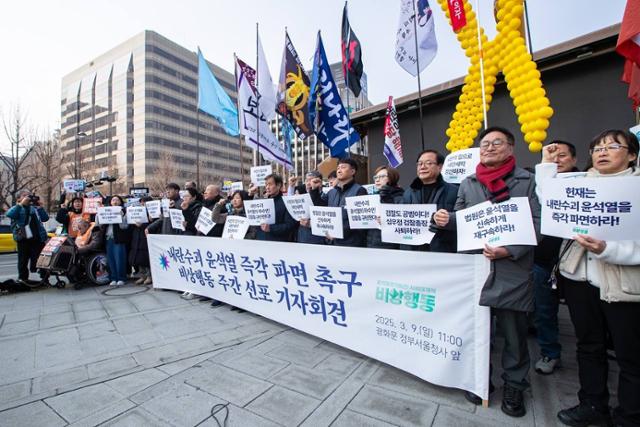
[(480, 55), (197, 147), (257, 162), (235, 73), (415, 37)]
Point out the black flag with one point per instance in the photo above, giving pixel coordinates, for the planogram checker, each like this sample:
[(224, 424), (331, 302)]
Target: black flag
[(351, 56)]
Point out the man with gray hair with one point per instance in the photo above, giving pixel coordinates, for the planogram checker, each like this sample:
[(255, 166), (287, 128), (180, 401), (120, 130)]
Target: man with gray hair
[(211, 197)]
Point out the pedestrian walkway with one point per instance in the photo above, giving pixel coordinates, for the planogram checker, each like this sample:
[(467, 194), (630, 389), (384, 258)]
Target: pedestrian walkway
[(135, 356)]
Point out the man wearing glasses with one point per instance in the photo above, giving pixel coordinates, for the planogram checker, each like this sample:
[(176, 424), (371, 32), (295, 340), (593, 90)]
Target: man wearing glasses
[(509, 288), (430, 188)]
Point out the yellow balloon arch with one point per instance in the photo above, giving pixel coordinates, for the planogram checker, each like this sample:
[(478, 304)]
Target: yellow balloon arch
[(507, 52)]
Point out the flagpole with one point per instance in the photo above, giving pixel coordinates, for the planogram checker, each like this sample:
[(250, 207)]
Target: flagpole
[(235, 73), (346, 83), (257, 97), (480, 55), (526, 20), (415, 37), (197, 147)]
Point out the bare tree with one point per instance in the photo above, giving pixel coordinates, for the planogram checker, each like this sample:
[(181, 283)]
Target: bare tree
[(45, 162), (165, 171)]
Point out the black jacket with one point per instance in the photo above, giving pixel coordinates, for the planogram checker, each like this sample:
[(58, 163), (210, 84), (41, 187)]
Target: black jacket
[(285, 225), (162, 225), (444, 196), (388, 195), (138, 251), (217, 229), (191, 214)]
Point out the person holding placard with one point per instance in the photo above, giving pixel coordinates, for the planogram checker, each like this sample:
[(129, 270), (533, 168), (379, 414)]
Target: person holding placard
[(221, 211), (70, 215), (163, 225), (313, 181), (385, 179), (601, 284), (191, 205), (138, 250), (285, 225), (509, 289), (211, 198), (345, 186), (117, 237), (429, 188)]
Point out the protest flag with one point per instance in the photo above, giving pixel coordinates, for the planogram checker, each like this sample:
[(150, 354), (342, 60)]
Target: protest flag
[(351, 56), (265, 85), (293, 90), (326, 111), (392, 146), (628, 45), (212, 98)]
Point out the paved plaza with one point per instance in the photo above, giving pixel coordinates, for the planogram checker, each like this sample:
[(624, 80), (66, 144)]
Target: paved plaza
[(136, 356)]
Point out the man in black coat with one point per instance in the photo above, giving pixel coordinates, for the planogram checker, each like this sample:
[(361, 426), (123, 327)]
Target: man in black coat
[(211, 198), (285, 225)]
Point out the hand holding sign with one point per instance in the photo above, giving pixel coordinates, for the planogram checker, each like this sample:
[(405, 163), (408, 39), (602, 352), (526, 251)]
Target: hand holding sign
[(327, 222), (177, 219), (260, 211), (110, 215)]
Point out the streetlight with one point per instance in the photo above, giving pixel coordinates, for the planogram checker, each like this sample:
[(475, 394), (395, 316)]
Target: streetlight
[(77, 156)]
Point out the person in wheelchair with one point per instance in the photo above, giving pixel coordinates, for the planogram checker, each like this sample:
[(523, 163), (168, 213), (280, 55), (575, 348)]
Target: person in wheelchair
[(90, 238)]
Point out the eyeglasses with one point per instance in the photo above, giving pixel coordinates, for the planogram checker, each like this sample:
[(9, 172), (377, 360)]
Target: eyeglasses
[(496, 143), (427, 163), (602, 149), (376, 177)]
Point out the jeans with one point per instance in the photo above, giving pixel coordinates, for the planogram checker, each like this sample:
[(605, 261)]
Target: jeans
[(117, 260), (546, 313)]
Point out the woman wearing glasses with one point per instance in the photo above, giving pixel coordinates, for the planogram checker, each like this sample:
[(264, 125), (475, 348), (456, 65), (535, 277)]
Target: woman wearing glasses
[(385, 180), (601, 282)]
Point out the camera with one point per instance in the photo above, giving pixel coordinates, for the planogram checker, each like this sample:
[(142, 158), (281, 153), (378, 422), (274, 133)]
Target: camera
[(34, 199)]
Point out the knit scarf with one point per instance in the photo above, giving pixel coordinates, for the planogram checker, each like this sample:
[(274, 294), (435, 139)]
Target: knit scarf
[(493, 179)]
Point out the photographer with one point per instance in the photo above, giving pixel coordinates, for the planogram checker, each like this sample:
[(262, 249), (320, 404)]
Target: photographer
[(27, 217)]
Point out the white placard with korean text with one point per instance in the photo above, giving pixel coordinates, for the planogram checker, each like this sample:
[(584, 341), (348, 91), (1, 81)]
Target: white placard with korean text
[(235, 227), (137, 214), (363, 211), (177, 219), (495, 224), (154, 208), (109, 215), (205, 223), (259, 173), (407, 224), (460, 164), (90, 205), (603, 208), (73, 185), (298, 206), (261, 211), (326, 222), (236, 186), (348, 296), (166, 205)]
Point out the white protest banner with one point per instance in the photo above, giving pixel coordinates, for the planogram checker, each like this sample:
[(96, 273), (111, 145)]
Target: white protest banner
[(600, 208), (153, 207), (235, 227), (109, 215), (495, 224), (261, 211), (137, 214), (91, 205), (460, 164), (298, 206), (407, 224), (205, 221), (363, 211), (177, 219), (236, 186), (326, 222), (348, 296), (165, 203), (73, 185), (259, 173)]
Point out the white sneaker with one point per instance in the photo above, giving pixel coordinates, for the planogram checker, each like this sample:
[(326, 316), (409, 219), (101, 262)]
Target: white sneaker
[(120, 283), (113, 283), (189, 296), (546, 365)]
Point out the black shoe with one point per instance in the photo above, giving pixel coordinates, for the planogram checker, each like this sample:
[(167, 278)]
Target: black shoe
[(204, 299), (475, 399), (584, 415), (216, 303), (512, 402)]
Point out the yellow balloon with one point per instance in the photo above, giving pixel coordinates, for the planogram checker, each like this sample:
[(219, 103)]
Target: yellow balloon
[(449, 132), (546, 112), (535, 147)]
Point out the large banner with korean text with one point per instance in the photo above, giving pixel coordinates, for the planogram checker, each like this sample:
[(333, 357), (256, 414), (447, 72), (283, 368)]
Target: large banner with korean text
[(416, 311)]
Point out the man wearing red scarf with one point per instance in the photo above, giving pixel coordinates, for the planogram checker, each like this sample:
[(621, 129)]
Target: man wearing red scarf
[(509, 288)]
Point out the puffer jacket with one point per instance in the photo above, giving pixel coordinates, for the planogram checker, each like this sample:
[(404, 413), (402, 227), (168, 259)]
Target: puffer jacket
[(390, 195)]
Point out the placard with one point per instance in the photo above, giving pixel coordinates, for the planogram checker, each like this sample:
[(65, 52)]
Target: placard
[(205, 221), (261, 211), (495, 224), (139, 191), (460, 164), (177, 219), (153, 208), (132, 201), (109, 215), (74, 185), (407, 224), (137, 214), (603, 208), (235, 227), (91, 205), (298, 206), (259, 173), (165, 203), (363, 211), (326, 222), (236, 186)]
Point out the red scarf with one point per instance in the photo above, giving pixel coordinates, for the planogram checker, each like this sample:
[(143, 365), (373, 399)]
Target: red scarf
[(493, 179)]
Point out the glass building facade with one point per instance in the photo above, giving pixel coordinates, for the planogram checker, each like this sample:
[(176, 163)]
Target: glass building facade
[(134, 109)]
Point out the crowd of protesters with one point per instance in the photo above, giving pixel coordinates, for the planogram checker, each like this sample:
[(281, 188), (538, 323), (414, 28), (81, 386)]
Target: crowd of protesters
[(599, 280)]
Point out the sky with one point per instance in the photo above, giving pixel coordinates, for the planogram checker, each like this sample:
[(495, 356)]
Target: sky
[(41, 41)]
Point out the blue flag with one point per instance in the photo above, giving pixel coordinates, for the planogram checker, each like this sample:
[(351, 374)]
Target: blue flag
[(214, 100), (326, 112)]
